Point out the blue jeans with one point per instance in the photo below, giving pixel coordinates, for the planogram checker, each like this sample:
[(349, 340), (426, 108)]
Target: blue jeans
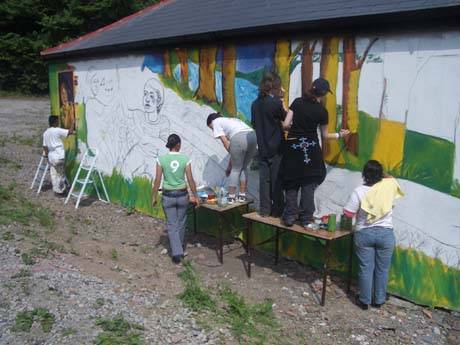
[(374, 249)]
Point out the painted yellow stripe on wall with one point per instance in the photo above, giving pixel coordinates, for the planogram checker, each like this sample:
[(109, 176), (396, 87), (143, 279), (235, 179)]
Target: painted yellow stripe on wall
[(389, 145)]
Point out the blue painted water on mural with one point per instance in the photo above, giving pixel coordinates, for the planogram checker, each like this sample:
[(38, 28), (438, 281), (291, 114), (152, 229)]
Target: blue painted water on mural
[(192, 75), (176, 73), (219, 86), (245, 93)]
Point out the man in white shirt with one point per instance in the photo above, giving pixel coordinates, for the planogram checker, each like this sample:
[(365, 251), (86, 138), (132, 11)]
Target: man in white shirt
[(53, 149)]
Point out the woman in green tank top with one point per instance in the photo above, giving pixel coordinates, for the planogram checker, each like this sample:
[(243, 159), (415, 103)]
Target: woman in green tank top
[(175, 167)]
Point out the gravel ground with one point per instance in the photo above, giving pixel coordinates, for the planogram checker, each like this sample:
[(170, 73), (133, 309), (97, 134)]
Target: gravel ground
[(104, 262)]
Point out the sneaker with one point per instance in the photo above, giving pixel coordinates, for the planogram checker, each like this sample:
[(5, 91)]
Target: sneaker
[(177, 259), (286, 222), (362, 305), (231, 200), (242, 198)]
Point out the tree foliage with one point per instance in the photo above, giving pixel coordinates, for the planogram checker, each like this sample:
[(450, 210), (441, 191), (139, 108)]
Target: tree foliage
[(29, 26)]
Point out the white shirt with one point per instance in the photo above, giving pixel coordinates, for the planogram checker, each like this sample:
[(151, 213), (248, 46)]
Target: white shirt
[(228, 127), (354, 206), (52, 139)]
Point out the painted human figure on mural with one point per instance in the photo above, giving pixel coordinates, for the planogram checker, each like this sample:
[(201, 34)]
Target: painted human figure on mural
[(104, 110), (145, 132), (66, 99)]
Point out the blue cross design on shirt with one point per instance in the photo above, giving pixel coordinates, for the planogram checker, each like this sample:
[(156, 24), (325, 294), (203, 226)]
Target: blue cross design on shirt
[(304, 144)]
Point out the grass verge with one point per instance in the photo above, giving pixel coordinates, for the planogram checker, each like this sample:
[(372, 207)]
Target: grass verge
[(15, 208), (118, 331), (249, 323), (25, 319)]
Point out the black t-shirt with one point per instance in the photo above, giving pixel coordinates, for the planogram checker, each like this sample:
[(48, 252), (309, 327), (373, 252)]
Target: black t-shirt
[(267, 114), (308, 115)]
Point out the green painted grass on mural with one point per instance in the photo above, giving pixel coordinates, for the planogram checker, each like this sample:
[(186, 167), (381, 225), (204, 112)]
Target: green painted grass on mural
[(455, 189), (429, 161), (427, 280)]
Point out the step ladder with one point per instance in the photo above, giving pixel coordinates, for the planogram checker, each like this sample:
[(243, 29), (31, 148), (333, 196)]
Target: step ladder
[(87, 165), (40, 174)]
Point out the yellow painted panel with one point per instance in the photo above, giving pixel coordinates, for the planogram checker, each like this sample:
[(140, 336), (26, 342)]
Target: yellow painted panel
[(353, 115), (389, 145)]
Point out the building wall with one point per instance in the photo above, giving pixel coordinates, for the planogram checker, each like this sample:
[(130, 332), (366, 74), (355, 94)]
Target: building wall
[(398, 94)]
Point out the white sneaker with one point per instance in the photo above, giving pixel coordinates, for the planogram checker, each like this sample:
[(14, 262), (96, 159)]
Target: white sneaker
[(242, 198)]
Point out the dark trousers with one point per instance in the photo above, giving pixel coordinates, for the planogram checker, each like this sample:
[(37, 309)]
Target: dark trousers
[(307, 203), (271, 192)]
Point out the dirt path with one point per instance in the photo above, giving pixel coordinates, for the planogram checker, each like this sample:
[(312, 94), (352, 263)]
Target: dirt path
[(98, 261)]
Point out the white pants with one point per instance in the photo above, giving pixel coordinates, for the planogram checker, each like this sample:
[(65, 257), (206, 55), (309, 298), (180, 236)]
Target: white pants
[(58, 179)]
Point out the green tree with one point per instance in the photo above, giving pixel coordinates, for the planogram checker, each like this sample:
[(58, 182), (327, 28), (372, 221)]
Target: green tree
[(29, 26)]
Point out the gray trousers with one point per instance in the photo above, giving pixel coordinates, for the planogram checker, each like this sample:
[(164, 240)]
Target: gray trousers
[(307, 203), (243, 148), (175, 208)]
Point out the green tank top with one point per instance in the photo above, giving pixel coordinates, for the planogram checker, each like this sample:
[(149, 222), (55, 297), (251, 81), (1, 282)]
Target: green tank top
[(173, 165)]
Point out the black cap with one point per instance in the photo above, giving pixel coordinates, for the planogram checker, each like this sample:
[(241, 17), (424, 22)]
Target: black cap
[(320, 87)]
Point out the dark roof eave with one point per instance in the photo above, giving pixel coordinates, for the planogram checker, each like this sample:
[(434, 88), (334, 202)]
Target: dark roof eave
[(406, 20)]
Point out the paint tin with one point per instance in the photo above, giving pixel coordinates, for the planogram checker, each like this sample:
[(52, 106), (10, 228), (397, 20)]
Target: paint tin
[(332, 223)]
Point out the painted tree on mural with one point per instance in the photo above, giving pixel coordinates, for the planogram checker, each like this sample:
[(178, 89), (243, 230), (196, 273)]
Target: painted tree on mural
[(207, 78), (308, 49), (228, 79), (329, 67), (351, 71), (283, 60), (167, 71), (182, 56)]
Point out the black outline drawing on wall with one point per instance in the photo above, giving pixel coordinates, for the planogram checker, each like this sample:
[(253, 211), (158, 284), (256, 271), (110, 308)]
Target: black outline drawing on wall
[(104, 110), (144, 132)]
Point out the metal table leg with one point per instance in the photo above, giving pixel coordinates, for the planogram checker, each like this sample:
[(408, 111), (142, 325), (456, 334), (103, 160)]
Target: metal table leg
[(327, 254), (277, 245), (221, 240), (350, 264), (248, 245), (194, 220)]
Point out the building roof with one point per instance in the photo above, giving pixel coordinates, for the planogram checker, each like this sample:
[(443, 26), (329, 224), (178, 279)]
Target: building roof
[(184, 21)]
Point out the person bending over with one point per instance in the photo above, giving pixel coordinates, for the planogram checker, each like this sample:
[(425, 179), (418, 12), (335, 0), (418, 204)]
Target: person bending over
[(240, 141)]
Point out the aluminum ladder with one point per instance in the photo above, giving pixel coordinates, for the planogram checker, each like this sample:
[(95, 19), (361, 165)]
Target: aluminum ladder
[(40, 174), (87, 165)]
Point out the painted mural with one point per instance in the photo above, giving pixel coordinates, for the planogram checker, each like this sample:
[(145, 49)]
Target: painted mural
[(396, 94)]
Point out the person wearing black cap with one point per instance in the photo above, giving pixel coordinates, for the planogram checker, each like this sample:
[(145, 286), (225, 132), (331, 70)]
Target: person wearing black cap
[(303, 165), (174, 167)]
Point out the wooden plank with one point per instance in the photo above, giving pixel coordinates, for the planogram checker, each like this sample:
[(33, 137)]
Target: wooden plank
[(217, 208), (276, 222)]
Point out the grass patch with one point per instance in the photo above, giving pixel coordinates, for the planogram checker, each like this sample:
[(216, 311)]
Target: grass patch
[(27, 259), (99, 303), (9, 163), (195, 297), (67, 332), (25, 319), (23, 273), (118, 331), (8, 236), (249, 323), (15, 208), (114, 254)]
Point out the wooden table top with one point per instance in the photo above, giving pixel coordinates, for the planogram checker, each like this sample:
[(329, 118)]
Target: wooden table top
[(276, 222), (215, 207)]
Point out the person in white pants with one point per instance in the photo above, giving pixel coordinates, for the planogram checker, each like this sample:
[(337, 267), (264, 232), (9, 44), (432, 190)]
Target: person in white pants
[(53, 149)]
